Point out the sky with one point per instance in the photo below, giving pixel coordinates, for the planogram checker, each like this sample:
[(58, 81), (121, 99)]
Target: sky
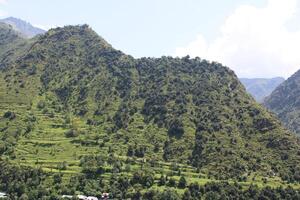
[(255, 38)]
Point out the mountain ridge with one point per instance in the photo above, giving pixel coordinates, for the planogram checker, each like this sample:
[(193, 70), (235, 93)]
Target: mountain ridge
[(284, 102), (23, 27), (260, 88), (95, 111)]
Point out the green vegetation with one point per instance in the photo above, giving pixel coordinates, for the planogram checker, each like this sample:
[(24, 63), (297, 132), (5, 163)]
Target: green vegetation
[(26, 183), (92, 119), (284, 101)]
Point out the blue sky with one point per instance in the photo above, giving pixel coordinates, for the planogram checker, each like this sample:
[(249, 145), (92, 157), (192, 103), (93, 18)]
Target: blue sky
[(138, 27), (255, 38)]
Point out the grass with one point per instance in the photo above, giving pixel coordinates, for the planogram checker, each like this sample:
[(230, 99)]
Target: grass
[(47, 147)]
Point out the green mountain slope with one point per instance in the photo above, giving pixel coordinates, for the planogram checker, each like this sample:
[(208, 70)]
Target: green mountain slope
[(260, 88), (12, 44), (284, 101), (70, 97)]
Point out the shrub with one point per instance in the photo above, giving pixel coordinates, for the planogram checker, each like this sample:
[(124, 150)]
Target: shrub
[(71, 133), (9, 115)]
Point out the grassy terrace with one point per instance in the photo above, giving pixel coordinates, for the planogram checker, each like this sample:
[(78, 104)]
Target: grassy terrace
[(47, 147), (72, 105)]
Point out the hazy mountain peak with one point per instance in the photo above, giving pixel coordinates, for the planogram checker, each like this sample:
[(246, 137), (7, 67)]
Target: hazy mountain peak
[(260, 88), (8, 35), (25, 28)]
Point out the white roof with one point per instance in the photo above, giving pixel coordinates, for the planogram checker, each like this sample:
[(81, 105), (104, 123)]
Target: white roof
[(92, 198), (67, 196), (82, 197)]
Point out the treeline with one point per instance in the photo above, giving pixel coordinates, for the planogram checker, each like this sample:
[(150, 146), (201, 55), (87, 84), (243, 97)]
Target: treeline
[(24, 183), (30, 184)]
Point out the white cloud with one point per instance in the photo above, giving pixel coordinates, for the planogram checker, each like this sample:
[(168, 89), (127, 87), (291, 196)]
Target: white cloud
[(254, 42), (3, 1), (45, 27)]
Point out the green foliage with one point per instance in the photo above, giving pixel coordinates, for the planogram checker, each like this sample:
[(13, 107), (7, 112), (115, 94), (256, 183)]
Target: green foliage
[(71, 133), (9, 115), (284, 102), (93, 110), (182, 182)]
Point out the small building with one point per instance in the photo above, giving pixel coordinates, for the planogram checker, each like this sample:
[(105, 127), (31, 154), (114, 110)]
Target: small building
[(67, 196), (82, 197), (105, 196), (3, 195), (92, 198)]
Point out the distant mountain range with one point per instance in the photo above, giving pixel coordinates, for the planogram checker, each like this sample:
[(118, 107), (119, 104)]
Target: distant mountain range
[(23, 27), (260, 88)]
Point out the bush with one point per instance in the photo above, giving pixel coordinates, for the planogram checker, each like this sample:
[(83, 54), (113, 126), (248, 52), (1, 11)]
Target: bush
[(172, 182), (9, 115), (41, 105), (71, 133), (176, 128), (62, 166), (182, 182)]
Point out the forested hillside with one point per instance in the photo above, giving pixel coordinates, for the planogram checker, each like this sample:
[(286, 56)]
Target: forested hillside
[(75, 107), (284, 101)]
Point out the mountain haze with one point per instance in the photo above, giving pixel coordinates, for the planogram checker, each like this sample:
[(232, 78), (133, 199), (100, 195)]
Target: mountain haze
[(25, 28), (260, 88)]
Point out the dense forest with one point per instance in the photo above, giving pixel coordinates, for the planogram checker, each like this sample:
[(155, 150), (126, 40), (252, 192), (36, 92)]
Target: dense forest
[(25, 183), (284, 101), (78, 116)]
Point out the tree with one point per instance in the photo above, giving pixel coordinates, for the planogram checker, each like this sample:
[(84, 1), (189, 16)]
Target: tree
[(9, 115), (172, 182), (176, 128), (71, 133), (130, 151), (62, 166), (187, 195), (182, 182), (24, 197), (169, 194), (57, 178), (162, 180)]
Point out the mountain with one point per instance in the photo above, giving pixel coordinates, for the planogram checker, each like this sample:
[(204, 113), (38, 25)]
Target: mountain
[(284, 101), (74, 106), (12, 44), (260, 88), (25, 28)]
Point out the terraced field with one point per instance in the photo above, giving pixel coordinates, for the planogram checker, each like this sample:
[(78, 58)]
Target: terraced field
[(97, 120), (47, 147)]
